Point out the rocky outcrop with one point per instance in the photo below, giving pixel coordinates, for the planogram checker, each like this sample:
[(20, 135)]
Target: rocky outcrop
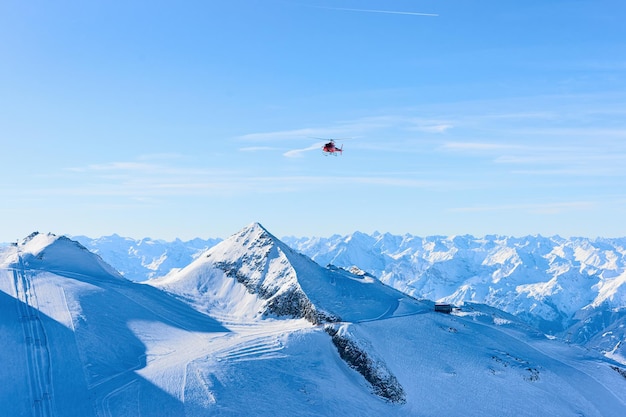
[(383, 382)]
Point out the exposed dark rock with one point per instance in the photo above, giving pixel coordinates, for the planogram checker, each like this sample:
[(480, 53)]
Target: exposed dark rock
[(619, 370), (383, 382), (290, 303)]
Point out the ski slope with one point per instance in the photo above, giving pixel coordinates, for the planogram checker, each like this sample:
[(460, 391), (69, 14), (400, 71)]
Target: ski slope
[(82, 340), (571, 288)]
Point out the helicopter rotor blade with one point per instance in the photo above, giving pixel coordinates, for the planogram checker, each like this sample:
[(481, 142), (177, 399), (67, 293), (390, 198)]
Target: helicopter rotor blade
[(335, 139)]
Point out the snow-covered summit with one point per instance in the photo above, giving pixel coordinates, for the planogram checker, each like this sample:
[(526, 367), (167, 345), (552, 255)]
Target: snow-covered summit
[(225, 339), (61, 255), (71, 323), (572, 288), (280, 281), (252, 276)]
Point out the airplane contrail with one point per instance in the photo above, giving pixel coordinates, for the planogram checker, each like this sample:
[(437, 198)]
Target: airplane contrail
[(382, 11)]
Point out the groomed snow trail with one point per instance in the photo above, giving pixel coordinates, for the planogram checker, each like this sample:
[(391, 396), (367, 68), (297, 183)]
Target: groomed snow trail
[(37, 350)]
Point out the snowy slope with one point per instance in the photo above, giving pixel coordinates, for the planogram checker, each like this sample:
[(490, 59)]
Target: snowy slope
[(284, 282), (432, 364), (572, 288), (77, 334), (252, 328)]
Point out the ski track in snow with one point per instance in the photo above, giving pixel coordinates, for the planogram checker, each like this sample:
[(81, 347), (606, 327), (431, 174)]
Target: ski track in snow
[(168, 370), (252, 347), (257, 341), (186, 359), (37, 349), (104, 401)]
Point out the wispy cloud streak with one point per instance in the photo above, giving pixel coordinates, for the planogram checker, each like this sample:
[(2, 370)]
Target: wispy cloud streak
[(352, 128), (139, 181), (297, 153), (478, 146), (257, 149), (538, 208), (381, 11)]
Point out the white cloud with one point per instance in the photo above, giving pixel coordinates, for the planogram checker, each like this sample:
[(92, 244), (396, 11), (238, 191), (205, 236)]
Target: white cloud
[(537, 208), (159, 156), (257, 149), (116, 166), (478, 146), (435, 128), (344, 129)]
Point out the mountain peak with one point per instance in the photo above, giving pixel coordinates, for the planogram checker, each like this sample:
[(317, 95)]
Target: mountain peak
[(255, 226), (62, 255), (264, 265), (283, 282), (252, 239), (251, 233), (125, 348), (252, 228), (36, 241)]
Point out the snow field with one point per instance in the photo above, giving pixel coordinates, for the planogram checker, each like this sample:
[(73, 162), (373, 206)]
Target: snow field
[(86, 342)]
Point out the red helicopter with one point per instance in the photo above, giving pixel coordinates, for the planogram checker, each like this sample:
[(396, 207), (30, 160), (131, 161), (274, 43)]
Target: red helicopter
[(330, 148)]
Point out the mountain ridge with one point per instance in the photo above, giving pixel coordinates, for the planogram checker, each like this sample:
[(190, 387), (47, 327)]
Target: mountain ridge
[(198, 342), (555, 284), (266, 266), (288, 284)]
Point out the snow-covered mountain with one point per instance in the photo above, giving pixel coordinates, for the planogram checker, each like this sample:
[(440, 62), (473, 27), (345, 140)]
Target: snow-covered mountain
[(79, 339), (142, 259), (570, 288), (253, 328)]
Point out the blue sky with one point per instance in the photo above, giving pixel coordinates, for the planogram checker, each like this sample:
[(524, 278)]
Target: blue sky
[(193, 119)]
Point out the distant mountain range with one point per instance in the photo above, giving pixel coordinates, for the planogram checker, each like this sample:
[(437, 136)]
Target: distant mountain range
[(139, 260), (574, 289), (253, 327), (571, 288)]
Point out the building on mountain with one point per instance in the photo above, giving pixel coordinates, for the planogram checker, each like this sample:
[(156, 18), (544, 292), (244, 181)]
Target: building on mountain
[(443, 308)]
